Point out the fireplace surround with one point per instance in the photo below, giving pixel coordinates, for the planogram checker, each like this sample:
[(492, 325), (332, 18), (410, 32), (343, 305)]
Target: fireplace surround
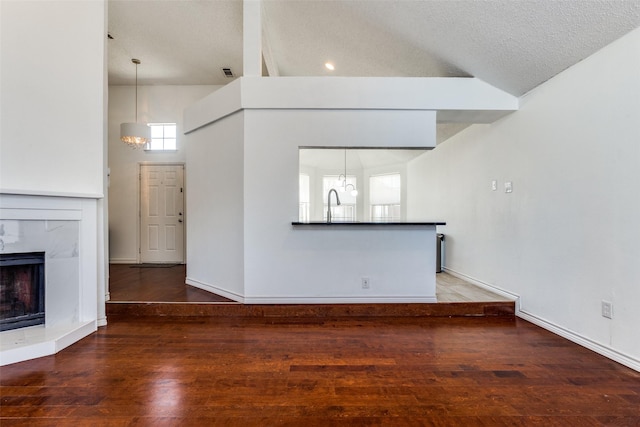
[(65, 230)]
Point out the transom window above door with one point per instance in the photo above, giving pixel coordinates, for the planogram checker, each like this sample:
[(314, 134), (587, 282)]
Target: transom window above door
[(163, 137)]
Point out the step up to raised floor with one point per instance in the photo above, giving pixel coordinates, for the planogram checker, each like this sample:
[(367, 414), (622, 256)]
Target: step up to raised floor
[(453, 309)]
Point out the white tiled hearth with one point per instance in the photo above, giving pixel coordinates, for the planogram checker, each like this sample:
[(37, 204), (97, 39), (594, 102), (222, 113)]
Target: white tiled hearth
[(64, 229)]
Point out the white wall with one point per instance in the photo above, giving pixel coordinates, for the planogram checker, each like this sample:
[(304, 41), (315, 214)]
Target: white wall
[(53, 102), (51, 134), (156, 104), (568, 236), (286, 264), (215, 202), (242, 181)]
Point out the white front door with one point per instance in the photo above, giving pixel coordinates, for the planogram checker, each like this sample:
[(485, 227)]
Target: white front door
[(161, 213)]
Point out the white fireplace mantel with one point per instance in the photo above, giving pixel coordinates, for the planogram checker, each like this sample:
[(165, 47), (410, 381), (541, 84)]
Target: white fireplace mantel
[(65, 229)]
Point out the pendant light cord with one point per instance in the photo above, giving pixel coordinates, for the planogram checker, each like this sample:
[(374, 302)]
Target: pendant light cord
[(136, 93), (345, 169)]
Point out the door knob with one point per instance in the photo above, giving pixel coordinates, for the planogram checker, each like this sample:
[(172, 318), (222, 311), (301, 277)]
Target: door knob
[(179, 220)]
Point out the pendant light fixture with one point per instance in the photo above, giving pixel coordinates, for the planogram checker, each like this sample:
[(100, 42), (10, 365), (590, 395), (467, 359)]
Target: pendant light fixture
[(135, 135), (343, 178)]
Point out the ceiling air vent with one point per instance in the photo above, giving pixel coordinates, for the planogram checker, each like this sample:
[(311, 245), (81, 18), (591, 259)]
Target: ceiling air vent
[(227, 72)]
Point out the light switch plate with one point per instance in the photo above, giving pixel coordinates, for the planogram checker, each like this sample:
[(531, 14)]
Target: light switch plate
[(508, 187), (607, 309), (494, 185)]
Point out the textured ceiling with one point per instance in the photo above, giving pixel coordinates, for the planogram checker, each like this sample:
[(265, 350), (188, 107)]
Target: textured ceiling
[(511, 44), (179, 42)]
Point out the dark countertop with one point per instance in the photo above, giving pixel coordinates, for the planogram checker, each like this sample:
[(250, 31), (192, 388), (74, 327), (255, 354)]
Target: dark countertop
[(368, 224)]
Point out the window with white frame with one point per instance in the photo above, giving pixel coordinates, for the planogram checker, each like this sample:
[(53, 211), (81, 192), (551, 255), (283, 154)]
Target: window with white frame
[(163, 137), (304, 196), (385, 197), (346, 212)]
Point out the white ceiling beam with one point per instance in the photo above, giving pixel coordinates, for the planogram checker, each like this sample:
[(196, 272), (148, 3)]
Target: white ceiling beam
[(251, 38), (402, 93), (267, 55)]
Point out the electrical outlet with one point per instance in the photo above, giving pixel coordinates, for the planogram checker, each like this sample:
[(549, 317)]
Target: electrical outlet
[(365, 283), (607, 309)]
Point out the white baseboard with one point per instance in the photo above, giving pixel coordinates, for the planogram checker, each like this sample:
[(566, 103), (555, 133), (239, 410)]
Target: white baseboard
[(601, 349), (213, 289), (308, 300), (340, 300)]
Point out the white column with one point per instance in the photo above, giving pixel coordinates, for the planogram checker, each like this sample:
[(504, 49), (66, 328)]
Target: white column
[(251, 38), (267, 55)]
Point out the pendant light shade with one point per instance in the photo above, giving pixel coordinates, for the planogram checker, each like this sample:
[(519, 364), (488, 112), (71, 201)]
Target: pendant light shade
[(135, 135)]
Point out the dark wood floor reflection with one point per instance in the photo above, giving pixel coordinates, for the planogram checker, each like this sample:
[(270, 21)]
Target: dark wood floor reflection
[(156, 284), (201, 371)]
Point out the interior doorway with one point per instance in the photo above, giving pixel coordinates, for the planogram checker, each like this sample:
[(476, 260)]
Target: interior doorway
[(162, 216)]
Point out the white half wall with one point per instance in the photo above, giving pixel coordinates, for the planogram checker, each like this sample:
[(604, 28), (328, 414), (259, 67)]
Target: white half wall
[(156, 104), (52, 80), (567, 237)]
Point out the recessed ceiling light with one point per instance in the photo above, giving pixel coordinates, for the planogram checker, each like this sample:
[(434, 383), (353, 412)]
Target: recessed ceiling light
[(329, 66)]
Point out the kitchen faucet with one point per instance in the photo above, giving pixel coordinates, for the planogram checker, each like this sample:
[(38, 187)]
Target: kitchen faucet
[(333, 190)]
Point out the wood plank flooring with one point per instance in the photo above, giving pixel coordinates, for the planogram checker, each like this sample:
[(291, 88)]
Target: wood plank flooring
[(198, 371), (131, 283), (450, 288)]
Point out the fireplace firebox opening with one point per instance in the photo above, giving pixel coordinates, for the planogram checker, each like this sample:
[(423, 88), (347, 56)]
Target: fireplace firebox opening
[(21, 290)]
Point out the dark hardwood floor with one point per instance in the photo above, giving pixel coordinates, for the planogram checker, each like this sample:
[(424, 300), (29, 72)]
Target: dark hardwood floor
[(167, 284), (396, 368), (198, 371)]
